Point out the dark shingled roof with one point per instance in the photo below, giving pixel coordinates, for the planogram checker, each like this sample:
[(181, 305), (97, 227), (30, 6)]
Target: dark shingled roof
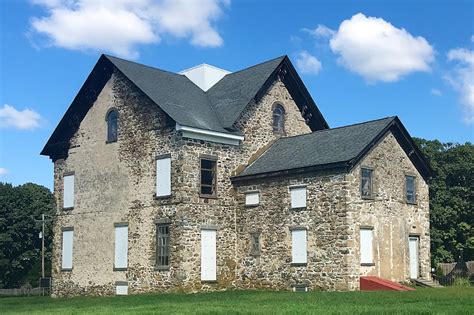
[(232, 93), (178, 96), (216, 110), (187, 104), (323, 147)]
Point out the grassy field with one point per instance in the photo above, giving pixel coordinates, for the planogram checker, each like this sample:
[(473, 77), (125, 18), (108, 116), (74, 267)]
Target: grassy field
[(453, 300)]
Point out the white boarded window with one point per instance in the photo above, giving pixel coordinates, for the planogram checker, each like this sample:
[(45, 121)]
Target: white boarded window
[(121, 288), (68, 191), (252, 198), (208, 255), (163, 176), (68, 238), (298, 247), (366, 250), (298, 197), (121, 246)]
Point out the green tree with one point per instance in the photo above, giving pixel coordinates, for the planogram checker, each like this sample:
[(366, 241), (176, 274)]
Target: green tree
[(20, 245), (451, 199)]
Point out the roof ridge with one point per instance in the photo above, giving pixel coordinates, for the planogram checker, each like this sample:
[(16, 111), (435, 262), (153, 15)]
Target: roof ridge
[(258, 64), (340, 127), (141, 64)]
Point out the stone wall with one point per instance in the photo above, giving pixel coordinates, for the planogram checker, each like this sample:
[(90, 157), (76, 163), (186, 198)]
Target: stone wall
[(392, 218), (115, 182), (327, 235)]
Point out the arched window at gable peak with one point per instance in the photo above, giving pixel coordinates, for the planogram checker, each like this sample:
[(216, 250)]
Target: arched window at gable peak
[(112, 125), (279, 119)]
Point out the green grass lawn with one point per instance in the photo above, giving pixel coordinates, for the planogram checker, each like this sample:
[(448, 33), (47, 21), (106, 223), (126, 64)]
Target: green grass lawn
[(453, 300)]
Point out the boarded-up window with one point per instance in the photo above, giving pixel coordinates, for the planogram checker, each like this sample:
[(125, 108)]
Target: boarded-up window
[(68, 239), (255, 244), (410, 189), (68, 191), (163, 245), (121, 246), (298, 197), (121, 288), (208, 177), (208, 255), (252, 198), (163, 176), (366, 183), (298, 247), (366, 249)]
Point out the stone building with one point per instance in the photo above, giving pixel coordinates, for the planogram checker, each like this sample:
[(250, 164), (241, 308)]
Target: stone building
[(211, 180)]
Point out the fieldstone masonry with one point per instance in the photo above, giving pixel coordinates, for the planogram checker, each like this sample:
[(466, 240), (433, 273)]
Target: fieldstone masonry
[(115, 182)]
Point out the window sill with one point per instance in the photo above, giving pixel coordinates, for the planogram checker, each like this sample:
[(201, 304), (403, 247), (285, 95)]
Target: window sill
[(299, 264), (162, 268), (68, 208), (66, 269), (120, 269), (161, 197), (298, 208), (255, 255), (369, 198), (367, 264), (412, 203), (112, 141), (208, 196), (252, 206), (209, 281)]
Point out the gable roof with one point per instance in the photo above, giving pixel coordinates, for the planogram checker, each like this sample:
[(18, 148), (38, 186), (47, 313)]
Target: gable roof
[(188, 105), (338, 148)]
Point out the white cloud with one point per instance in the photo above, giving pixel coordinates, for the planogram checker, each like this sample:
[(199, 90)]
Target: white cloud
[(321, 31), (462, 79), (307, 63), (3, 171), (25, 119), (119, 26), (436, 92), (378, 51)]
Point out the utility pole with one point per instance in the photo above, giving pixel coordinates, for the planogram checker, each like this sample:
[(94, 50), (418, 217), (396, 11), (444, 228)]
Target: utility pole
[(43, 222), (42, 245)]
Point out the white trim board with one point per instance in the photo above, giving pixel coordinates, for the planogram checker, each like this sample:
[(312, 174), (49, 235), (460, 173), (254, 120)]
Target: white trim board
[(208, 135)]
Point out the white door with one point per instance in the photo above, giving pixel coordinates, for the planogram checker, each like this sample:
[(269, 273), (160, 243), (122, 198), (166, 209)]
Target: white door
[(413, 249), (208, 255)]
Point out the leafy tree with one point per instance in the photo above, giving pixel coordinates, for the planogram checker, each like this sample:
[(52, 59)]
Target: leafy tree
[(451, 199), (20, 245)]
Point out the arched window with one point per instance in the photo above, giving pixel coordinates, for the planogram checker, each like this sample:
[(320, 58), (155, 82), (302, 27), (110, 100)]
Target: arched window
[(279, 119), (112, 120)]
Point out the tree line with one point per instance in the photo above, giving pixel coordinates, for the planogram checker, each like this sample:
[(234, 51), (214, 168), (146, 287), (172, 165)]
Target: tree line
[(451, 215)]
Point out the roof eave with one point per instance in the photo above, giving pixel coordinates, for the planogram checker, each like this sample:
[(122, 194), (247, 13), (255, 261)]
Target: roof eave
[(341, 166)]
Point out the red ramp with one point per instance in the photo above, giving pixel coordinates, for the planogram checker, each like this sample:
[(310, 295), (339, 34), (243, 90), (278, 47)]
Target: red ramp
[(370, 283)]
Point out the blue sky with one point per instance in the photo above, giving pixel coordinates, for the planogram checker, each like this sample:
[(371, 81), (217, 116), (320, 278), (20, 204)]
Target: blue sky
[(360, 60)]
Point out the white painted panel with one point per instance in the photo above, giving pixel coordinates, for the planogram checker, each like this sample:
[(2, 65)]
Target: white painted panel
[(68, 238), (413, 251), (366, 251), (163, 177), (298, 247), (121, 247), (121, 289), (298, 197), (208, 255), (252, 198), (204, 75), (68, 191)]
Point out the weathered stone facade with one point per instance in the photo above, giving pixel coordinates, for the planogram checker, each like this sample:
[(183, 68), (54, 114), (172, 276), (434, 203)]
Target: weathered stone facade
[(115, 182)]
